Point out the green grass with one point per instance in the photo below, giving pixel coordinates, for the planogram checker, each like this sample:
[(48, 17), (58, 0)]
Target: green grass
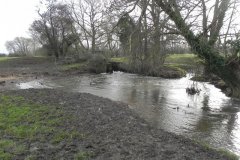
[(120, 59), (182, 58), (9, 145), (183, 61), (181, 70), (229, 154), (224, 152), (83, 155), (66, 136), (3, 59), (73, 66), (22, 121)]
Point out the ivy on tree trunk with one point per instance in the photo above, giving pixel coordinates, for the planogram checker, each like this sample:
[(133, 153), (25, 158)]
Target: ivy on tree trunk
[(204, 47)]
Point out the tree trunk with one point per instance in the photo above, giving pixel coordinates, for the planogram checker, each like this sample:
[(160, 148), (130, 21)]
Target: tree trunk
[(228, 71), (231, 75), (93, 38), (156, 56), (93, 45)]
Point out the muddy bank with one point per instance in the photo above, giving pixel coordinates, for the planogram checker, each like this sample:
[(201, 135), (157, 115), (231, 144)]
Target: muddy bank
[(23, 69), (216, 81), (167, 72), (112, 130)]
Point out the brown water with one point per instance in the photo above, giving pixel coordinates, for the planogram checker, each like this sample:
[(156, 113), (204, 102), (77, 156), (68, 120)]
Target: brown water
[(209, 117)]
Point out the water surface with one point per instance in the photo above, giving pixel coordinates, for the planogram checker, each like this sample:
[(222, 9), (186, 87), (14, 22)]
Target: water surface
[(209, 117)]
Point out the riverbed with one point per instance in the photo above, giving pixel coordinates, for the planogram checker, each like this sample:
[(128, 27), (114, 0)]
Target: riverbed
[(209, 117)]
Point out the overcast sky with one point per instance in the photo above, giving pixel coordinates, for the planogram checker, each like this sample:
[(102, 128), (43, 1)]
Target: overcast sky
[(16, 17)]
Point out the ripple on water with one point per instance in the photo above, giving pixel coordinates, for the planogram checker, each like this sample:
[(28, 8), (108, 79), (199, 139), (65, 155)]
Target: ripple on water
[(165, 104)]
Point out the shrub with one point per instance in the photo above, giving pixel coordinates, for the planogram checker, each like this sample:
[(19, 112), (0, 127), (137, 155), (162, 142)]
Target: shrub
[(98, 63)]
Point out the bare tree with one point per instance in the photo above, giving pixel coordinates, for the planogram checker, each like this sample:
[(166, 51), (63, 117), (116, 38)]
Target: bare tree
[(54, 28), (147, 37), (20, 46), (229, 27), (88, 17)]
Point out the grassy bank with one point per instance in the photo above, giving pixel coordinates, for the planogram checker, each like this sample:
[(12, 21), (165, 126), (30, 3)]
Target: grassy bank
[(183, 61), (120, 59), (73, 66), (187, 58), (3, 59), (182, 58), (24, 123), (175, 61), (83, 126), (225, 152), (180, 63)]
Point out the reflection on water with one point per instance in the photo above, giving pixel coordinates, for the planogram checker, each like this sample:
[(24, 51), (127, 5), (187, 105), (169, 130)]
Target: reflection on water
[(33, 84), (209, 117)]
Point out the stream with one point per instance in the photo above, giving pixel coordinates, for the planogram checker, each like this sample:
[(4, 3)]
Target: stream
[(209, 117)]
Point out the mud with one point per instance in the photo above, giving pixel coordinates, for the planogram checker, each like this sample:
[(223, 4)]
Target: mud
[(113, 131)]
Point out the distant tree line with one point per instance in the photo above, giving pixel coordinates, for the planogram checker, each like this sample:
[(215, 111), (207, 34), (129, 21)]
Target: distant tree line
[(20, 46), (145, 31), (140, 29), (3, 55), (110, 27)]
